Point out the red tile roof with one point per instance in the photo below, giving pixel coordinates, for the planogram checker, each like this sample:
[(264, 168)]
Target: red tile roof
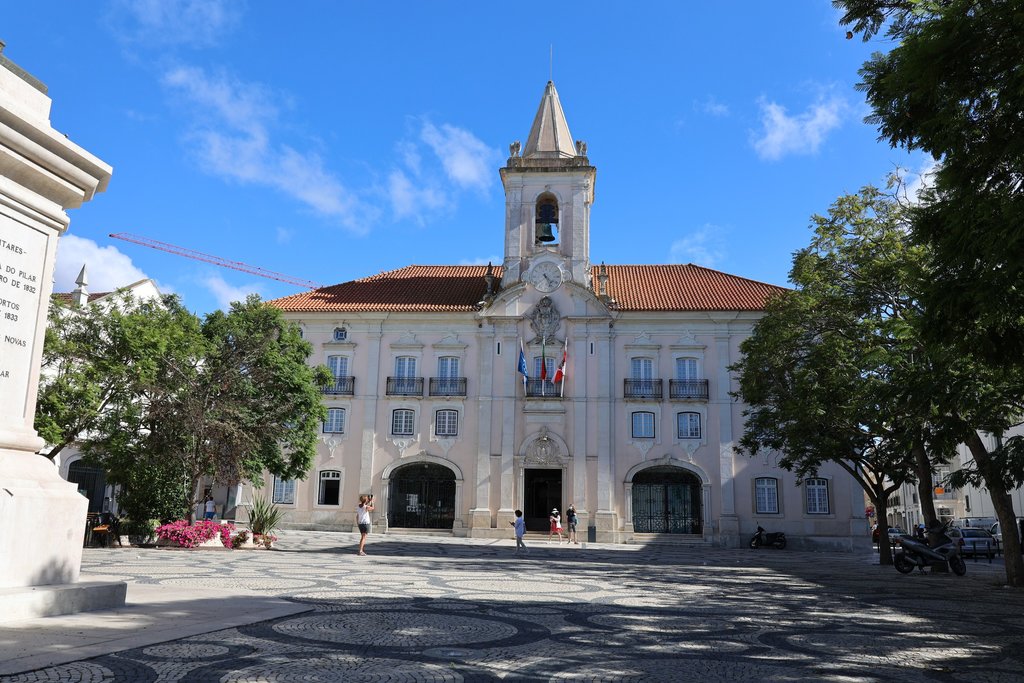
[(460, 288)]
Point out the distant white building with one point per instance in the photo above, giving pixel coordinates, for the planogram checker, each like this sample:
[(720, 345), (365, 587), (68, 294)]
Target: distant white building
[(429, 412)]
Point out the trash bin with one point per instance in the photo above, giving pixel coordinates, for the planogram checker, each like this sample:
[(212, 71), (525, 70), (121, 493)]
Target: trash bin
[(591, 534)]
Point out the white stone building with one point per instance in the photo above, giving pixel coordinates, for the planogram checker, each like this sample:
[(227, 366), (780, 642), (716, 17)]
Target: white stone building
[(430, 414)]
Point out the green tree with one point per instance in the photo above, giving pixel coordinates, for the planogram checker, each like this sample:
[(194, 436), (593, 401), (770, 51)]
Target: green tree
[(952, 85), (93, 356), (231, 398)]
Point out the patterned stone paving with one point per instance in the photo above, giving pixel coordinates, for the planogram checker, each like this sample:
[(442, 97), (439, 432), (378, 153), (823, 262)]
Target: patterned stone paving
[(428, 609)]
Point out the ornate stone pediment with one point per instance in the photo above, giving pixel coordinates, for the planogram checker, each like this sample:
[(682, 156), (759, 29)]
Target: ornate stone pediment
[(544, 451), (545, 319)]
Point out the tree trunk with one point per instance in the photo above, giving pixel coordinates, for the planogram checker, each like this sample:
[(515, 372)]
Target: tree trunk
[(880, 498), (925, 488), (1003, 505)]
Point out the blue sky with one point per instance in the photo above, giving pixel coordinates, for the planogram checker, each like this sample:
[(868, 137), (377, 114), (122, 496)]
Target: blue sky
[(334, 140)]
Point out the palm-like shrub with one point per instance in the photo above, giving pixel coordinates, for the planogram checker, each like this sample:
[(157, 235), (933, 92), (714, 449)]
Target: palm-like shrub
[(264, 516)]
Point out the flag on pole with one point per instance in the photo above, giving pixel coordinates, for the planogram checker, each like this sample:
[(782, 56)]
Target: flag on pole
[(560, 372), (543, 361), (521, 366)]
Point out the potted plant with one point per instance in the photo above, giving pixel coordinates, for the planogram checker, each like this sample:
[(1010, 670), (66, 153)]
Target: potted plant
[(264, 517), (139, 532)]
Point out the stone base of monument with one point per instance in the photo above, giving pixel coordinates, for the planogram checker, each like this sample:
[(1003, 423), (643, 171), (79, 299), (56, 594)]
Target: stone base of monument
[(32, 602), (43, 523)]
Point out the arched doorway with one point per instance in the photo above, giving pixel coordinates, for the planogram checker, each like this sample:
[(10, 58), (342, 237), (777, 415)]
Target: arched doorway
[(421, 496), (91, 483), (666, 500)]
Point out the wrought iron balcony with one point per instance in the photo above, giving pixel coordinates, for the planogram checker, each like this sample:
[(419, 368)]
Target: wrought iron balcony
[(643, 388), (688, 389), (341, 386), (447, 386), (542, 388), (405, 386)]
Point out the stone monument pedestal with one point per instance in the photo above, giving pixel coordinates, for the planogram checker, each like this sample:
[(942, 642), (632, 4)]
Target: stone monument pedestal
[(42, 517)]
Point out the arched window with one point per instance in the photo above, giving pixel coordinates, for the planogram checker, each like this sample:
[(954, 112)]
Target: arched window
[(816, 493), (766, 496), (403, 422), (446, 423), (330, 488), (546, 219), (335, 422), (643, 425), (688, 425)]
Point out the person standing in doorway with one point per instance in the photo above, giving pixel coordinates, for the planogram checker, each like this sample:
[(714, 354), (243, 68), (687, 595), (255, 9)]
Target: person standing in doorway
[(520, 527), (211, 508), (363, 519), (556, 525), (572, 520)]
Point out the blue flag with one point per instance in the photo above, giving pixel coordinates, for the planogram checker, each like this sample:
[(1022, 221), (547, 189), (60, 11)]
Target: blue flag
[(521, 367)]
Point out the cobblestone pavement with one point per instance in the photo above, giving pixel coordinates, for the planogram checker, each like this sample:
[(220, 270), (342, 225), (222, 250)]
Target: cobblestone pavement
[(428, 609)]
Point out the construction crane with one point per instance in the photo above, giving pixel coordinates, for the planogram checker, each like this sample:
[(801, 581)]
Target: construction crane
[(215, 260)]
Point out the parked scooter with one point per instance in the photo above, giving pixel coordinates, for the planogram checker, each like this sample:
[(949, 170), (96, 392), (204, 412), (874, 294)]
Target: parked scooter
[(920, 554), (762, 537)]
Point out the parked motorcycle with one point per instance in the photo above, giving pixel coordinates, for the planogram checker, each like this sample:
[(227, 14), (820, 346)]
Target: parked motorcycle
[(762, 537), (920, 554)]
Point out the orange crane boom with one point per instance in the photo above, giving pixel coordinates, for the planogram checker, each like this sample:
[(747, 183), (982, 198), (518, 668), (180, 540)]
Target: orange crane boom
[(215, 260)]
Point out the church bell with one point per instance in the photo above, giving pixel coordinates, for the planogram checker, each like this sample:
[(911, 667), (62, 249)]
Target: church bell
[(544, 233)]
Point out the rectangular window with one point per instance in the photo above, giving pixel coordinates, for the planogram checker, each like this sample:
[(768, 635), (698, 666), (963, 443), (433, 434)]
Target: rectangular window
[(338, 365), (284, 491), (816, 491), (446, 423), (641, 368), (330, 488), (688, 425), (643, 425), (335, 422), (766, 496), (686, 368), (403, 422), (405, 375), (549, 363)]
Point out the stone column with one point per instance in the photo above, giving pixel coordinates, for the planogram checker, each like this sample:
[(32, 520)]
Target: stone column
[(480, 513), (42, 517)]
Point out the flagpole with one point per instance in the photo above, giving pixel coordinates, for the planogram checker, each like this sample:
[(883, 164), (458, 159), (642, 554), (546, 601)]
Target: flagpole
[(565, 351), (543, 367)]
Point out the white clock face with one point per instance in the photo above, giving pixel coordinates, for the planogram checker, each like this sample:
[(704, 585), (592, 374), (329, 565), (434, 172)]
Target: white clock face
[(546, 276)]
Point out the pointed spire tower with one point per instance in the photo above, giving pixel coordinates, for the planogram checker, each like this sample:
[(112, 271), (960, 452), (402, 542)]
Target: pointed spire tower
[(549, 187), (80, 296)]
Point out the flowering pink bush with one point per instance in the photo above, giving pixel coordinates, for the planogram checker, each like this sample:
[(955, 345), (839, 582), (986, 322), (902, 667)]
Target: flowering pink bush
[(190, 535)]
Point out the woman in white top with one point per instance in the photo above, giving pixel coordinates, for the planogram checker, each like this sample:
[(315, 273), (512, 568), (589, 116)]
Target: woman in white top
[(363, 519)]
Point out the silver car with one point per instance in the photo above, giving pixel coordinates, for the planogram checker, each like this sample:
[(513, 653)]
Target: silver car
[(975, 542)]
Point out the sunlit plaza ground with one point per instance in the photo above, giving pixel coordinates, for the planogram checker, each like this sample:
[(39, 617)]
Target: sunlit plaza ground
[(423, 608)]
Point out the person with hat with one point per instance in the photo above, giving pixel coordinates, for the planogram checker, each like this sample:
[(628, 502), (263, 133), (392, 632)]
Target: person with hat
[(556, 525)]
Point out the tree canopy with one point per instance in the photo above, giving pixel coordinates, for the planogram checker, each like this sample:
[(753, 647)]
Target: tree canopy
[(952, 86), (226, 398)]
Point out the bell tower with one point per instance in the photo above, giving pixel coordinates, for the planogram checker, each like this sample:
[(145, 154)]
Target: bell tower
[(549, 187)]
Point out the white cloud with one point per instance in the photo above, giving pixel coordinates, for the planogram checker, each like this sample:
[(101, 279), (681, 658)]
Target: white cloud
[(412, 201), (916, 182), (234, 141), (804, 133), (284, 235), (226, 294), (106, 268), (704, 247), (713, 107), (159, 23), (466, 160)]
